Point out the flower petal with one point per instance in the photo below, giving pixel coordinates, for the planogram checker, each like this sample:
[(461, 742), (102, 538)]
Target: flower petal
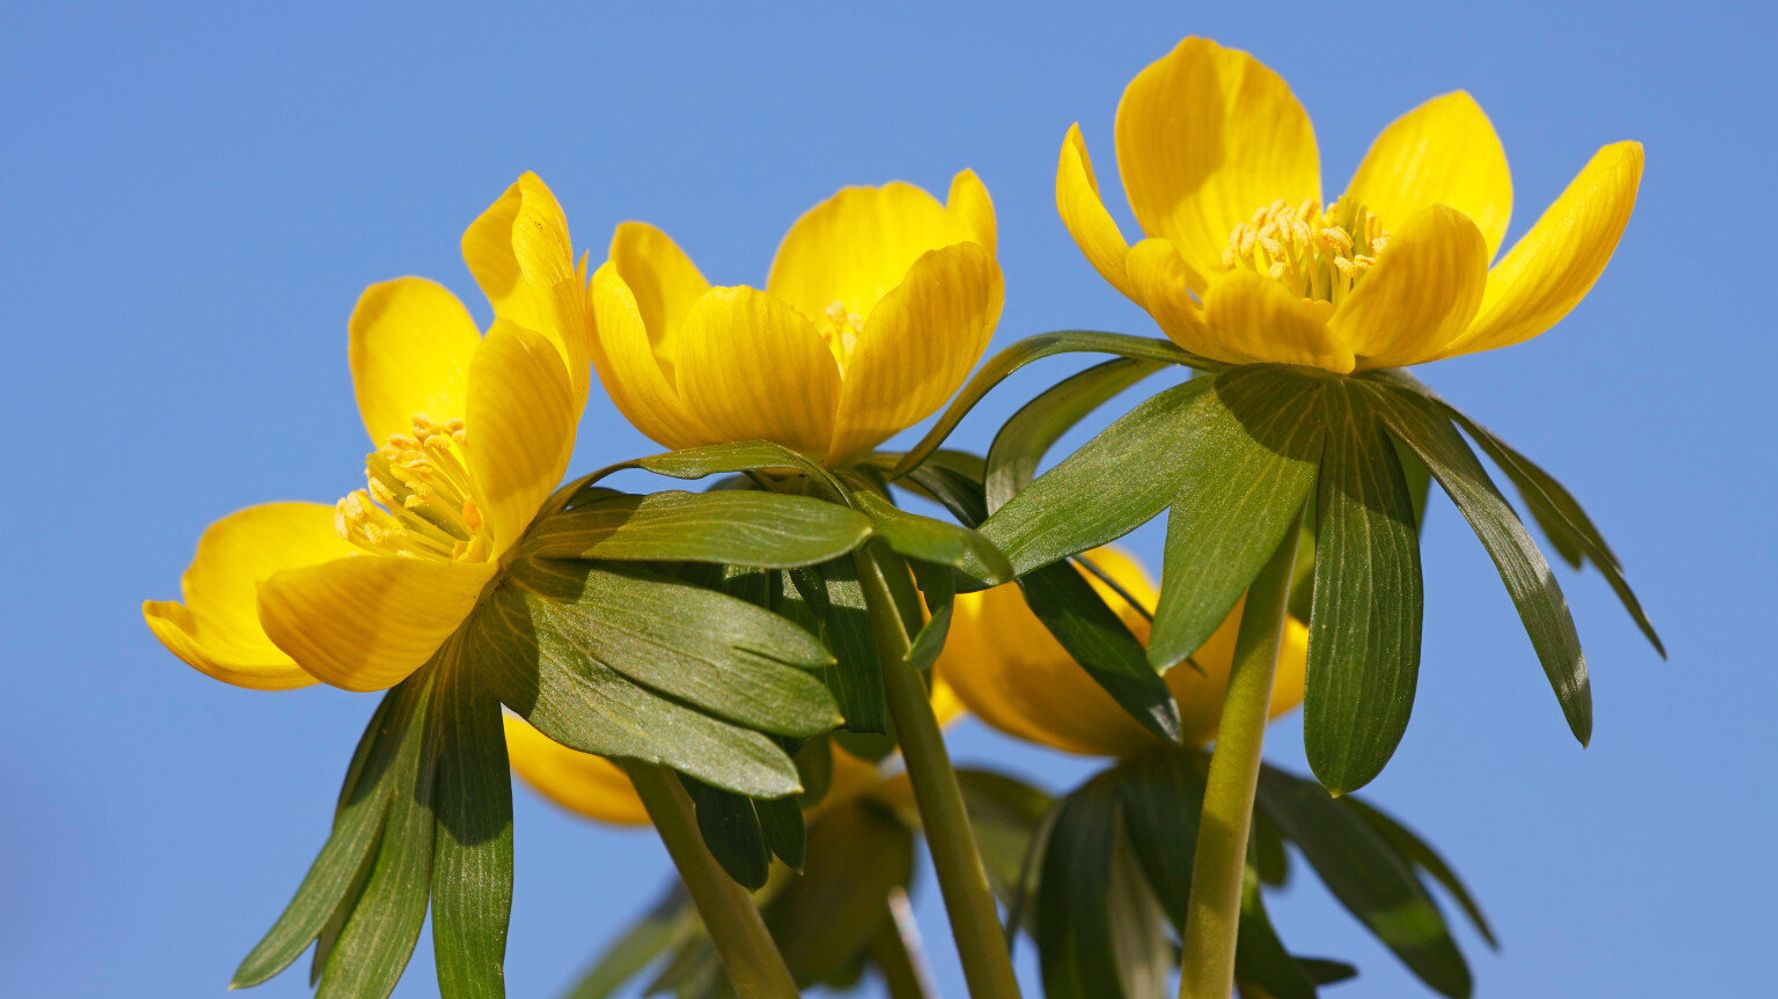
[(520, 427), (968, 203), (1160, 281), (1083, 212), (522, 258), (367, 621), (1205, 136), (664, 281), (1256, 317), (1554, 265), (632, 373), (215, 626), (409, 343), (917, 347), (1421, 293), (580, 782), (1444, 152), (754, 367), (856, 246)]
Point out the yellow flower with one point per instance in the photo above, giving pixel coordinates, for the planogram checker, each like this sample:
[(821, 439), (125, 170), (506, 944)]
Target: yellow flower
[(472, 433), (877, 306), (1243, 264), (599, 789), (1007, 670)]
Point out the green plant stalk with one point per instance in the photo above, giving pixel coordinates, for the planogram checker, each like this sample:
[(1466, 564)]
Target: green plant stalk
[(893, 954), (754, 966), (975, 923), (1213, 913)]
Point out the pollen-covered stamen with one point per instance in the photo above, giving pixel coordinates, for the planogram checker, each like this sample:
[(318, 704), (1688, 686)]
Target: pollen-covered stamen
[(841, 330), (1317, 255), (418, 500)]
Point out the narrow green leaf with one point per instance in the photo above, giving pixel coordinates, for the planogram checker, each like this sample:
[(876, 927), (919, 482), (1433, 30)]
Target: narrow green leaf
[(832, 591), (1419, 853), (781, 825), (668, 924), (1145, 956), (1162, 797), (750, 528), (1260, 957), (741, 456), (938, 590), (953, 480), (1419, 424), (378, 938), (825, 918), (1023, 440), (1005, 814), (935, 541), (1115, 483), (1369, 879), (1074, 936), (1364, 628), (1247, 469), (472, 852), (731, 831), (1035, 348)]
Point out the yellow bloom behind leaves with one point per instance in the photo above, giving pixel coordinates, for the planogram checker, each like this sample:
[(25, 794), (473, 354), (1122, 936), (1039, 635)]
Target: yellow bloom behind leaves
[(472, 433), (1243, 263), (877, 306), (1009, 671)]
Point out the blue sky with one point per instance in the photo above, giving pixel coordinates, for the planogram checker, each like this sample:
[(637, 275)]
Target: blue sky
[(191, 200)]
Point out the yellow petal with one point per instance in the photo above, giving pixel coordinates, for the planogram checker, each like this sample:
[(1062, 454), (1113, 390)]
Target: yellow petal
[(1554, 265), (1259, 318), (1199, 692), (367, 621), (854, 247), (1206, 136), (520, 427), (1160, 281), (968, 203), (631, 372), (1444, 152), (664, 281), (1421, 293), (1083, 212), (522, 258), (410, 341), (216, 626), (580, 782), (917, 347), (755, 368)]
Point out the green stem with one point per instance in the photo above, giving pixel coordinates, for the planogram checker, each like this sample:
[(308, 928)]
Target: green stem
[(754, 966), (893, 954), (1213, 915), (975, 923)]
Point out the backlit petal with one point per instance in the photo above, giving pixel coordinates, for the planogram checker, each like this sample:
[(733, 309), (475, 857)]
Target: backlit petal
[(580, 782), (1160, 282), (410, 341), (969, 204), (520, 424), (917, 347), (215, 626), (1444, 152), (1420, 294), (756, 368), (1206, 136), (522, 258), (853, 248), (627, 365), (1083, 212), (1256, 317), (1554, 265), (664, 282), (365, 622)]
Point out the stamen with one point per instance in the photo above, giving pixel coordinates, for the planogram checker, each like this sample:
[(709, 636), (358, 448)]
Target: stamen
[(1318, 255), (418, 500)]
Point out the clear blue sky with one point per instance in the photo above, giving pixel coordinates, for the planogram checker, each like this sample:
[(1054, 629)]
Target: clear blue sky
[(191, 200)]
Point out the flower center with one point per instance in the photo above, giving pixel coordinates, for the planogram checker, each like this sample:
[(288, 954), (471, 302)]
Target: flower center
[(419, 501), (840, 329), (1318, 255)]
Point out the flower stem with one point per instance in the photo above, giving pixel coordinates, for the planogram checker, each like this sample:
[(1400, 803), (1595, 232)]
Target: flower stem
[(894, 949), (754, 966), (975, 923), (1213, 914)]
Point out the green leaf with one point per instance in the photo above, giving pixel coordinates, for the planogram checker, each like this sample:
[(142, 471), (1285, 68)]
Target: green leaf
[(1248, 468), (781, 824), (531, 645), (1074, 936), (1145, 956), (1422, 426), (824, 918), (1163, 794), (953, 480), (379, 935), (929, 540), (1115, 483), (334, 878), (1260, 957), (1364, 628), (472, 852), (1005, 814), (741, 456), (1024, 439), (750, 528), (1418, 852), (731, 831), (1035, 348), (832, 591), (1369, 879), (667, 925)]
